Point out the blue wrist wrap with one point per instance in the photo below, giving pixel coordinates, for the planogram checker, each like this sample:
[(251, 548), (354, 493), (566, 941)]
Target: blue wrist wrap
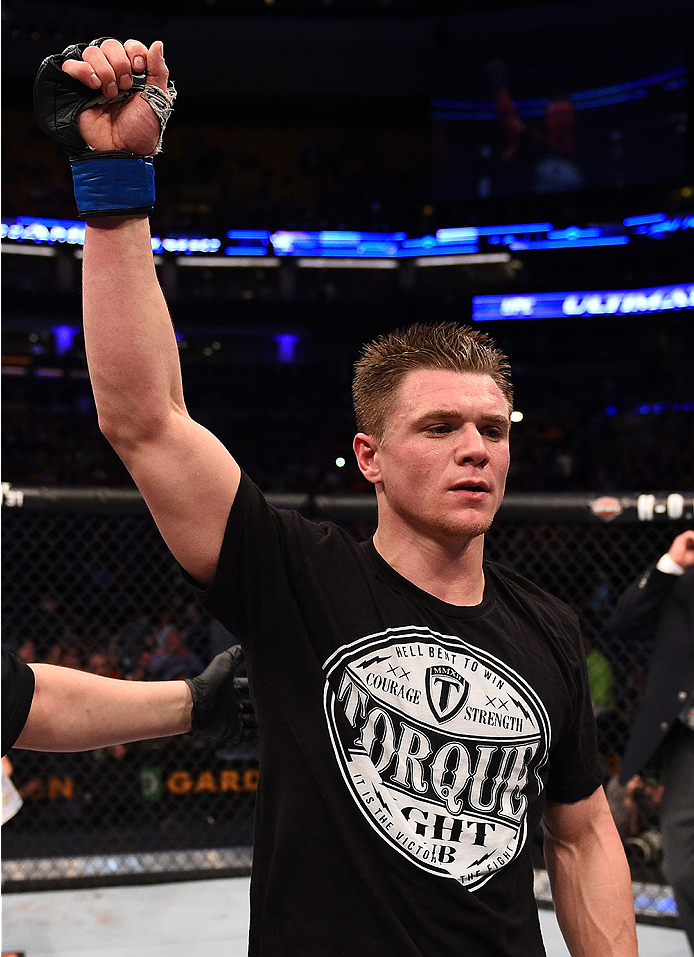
[(112, 183)]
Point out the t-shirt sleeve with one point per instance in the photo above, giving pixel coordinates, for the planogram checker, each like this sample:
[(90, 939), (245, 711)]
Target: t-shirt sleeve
[(263, 550), (576, 769), (17, 694)]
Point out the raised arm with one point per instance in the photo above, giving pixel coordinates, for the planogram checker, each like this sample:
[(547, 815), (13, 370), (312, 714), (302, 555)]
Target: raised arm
[(185, 474), (591, 883), (637, 611)]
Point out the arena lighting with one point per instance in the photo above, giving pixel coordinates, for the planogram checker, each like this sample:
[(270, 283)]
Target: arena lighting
[(336, 243), (651, 408), (40, 230), (470, 260), (248, 242), (253, 251), (286, 347), (336, 262), (440, 249), (184, 245), (27, 250), (644, 220), (26, 235), (519, 245), (263, 235), (514, 228), (557, 305), (573, 232), (457, 234), (658, 230), (226, 261), (64, 337)]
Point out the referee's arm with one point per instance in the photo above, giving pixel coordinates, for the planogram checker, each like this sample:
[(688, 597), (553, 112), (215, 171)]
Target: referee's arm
[(78, 711)]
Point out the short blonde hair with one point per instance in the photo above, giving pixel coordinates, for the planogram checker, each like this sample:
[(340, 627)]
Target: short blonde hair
[(387, 360)]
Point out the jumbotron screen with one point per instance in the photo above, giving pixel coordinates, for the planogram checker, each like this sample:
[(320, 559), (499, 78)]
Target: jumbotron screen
[(583, 112)]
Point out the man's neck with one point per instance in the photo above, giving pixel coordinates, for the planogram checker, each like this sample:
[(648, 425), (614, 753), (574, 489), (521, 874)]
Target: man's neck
[(450, 571)]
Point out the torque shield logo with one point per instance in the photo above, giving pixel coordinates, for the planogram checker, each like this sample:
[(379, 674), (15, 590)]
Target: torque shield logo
[(447, 692), (441, 745)]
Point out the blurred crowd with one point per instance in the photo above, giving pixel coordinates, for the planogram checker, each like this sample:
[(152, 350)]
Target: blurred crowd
[(156, 646), (569, 440), (209, 179)]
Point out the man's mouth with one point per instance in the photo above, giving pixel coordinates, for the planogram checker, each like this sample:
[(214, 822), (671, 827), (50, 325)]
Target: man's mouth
[(470, 487)]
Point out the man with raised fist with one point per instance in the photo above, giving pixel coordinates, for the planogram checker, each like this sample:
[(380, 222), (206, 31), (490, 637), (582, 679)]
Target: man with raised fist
[(422, 712)]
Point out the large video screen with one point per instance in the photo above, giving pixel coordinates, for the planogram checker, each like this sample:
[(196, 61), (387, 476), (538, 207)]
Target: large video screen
[(585, 111)]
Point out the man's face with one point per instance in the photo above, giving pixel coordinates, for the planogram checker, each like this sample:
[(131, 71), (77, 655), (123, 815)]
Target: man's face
[(560, 117), (441, 467)]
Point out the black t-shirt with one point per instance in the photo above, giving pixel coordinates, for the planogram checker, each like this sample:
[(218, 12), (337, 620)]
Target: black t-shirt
[(407, 745), (17, 694)]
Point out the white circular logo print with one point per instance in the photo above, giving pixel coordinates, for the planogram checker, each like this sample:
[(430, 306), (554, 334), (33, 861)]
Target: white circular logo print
[(441, 745)]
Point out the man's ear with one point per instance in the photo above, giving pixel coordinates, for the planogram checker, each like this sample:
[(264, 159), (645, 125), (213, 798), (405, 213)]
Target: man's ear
[(366, 450)]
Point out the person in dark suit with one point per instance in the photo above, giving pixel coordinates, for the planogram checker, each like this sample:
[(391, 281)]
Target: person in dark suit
[(659, 609)]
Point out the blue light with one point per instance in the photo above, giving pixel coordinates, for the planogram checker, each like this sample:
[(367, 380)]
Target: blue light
[(448, 250), (262, 234), (644, 220), (378, 249), (569, 243), (667, 226), (573, 232), (64, 337), (336, 242), (185, 245), (515, 228), (423, 242), (667, 905), (626, 97), (40, 230), (451, 235), (50, 223), (245, 251), (286, 347)]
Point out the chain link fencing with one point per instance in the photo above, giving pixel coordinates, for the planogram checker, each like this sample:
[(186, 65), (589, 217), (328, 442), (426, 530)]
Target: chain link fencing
[(88, 581)]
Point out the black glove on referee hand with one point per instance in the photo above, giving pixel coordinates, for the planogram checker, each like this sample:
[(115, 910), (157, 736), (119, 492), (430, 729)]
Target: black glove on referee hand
[(222, 707)]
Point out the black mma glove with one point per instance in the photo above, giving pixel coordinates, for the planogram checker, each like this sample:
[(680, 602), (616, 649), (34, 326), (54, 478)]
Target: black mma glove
[(110, 182), (222, 707)]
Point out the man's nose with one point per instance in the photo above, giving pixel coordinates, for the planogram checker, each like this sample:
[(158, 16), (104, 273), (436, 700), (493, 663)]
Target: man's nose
[(471, 446)]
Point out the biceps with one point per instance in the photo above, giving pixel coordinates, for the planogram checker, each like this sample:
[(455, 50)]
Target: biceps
[(189, 481), (568, 824)]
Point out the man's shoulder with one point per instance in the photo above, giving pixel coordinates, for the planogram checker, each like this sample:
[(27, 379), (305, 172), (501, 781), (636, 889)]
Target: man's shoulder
[(523, 589), (287, 520)]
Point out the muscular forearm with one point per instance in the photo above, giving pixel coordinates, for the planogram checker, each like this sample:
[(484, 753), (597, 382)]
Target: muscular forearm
[(131, 346), (591, 886), (77, 711)]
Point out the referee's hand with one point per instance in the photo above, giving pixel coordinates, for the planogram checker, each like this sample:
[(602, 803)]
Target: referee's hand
[(222, 707)]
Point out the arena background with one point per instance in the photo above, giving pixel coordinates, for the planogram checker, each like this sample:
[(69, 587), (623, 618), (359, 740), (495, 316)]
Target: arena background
[(335, 170)]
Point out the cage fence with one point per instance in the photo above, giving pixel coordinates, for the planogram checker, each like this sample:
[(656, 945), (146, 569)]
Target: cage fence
[(87, 581)]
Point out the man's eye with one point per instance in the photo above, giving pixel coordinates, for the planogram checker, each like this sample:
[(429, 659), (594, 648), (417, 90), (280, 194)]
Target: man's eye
[(494, 433), (439, 429)]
